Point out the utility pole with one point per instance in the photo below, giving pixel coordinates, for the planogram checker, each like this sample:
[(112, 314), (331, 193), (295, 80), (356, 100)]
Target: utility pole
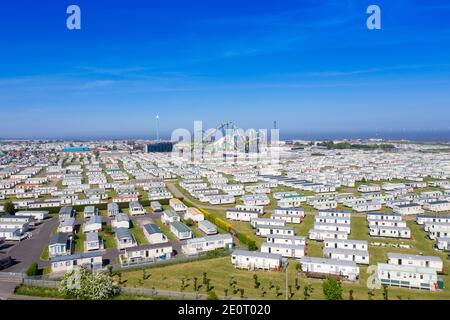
[(157, 128), (286, 272)]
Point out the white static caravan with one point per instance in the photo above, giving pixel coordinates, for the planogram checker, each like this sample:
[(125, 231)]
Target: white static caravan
[(154, 234), (208, 243), (37, 215), (251, 260), (240, 215), (207, 227), (358, 256), (147, 253), (265, 230), (335, 213), (67, 225), (260, 209), (286, 250), (259, 199), (438, 206), (346, 244), (323, 266), (443, 243), (416, 261), (429, 218), (136, 209), (287, 218), (384, 216), (298, 212), (407, 209), (321, 235), (407, 276), (266, 222), (291, 201), (386, 223), (390, 232), (332, 220), (281, 239), (437, 230), (91, 260), (366, 207), (333, 227)]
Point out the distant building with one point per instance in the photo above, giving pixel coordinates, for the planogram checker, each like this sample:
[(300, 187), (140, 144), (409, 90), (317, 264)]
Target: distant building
[(76, 149), (160, 147)]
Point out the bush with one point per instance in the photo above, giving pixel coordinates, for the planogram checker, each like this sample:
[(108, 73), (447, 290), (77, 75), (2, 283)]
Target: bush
[(9, 208), (33, 270), (212, 296), (85, 285), (332, 289)]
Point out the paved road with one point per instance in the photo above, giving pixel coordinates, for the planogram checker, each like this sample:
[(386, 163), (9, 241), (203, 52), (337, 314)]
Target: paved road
[(28, 251), (7, 289)]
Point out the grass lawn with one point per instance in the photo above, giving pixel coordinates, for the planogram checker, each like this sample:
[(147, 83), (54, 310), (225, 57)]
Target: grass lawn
[(138, 233), (45, 254), (109, 239), (80, 238), (240, 226), (165, 229), (34, 291)]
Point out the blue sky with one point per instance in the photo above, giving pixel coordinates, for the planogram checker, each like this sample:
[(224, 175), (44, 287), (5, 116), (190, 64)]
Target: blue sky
[(311, 65)]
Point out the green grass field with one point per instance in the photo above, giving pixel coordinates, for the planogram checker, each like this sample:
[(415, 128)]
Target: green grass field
[(138, 234), (220, 270)]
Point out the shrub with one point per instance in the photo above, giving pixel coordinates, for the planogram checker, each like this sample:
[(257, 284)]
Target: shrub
[(33, 270), (212, 296), (332, 289)]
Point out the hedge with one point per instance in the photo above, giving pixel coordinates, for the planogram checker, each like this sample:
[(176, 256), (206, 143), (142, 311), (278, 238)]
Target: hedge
[(102, 206), (242, 237)]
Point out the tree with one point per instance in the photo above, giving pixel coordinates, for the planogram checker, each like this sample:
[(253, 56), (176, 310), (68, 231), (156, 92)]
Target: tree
[(9, 208), (307, 291), (350, 295), (257, 283), (195, 284), (252, 246), (33, 270), (385, 293), (82, 284), (189, 222), (332, 289), (297, 284)]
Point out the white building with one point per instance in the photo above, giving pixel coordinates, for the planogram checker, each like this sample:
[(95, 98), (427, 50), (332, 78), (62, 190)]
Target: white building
[(136, 209), (325, 267), (208, 243), (407, 276), (390, 232), (207, 227), (37, 215), (252, 260), (320, 235), (63, 264), (154, 234), (407, 209), (266, 230), (286, 250), (355, 255), (240, 215), (416, 261), (254, 222), (283, 239)]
